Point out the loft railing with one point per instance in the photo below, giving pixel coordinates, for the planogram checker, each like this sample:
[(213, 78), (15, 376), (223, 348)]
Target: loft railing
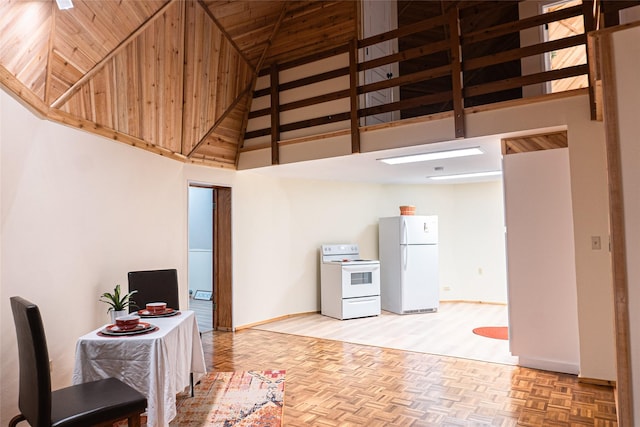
[(446, 81)]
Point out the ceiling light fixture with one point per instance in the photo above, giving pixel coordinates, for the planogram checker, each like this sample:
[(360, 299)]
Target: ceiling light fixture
[(466, 175), (435, 155), (64, 4)]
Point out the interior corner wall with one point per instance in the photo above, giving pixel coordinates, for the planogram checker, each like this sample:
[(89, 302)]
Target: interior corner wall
[(626, 56)]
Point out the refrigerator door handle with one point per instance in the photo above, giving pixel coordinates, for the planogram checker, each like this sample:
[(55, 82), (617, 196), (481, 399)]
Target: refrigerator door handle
[(405, 233), (405, 246), (405, 256)]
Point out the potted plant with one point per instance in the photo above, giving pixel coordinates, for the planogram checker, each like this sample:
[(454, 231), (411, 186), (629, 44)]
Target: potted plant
[(118, 302)]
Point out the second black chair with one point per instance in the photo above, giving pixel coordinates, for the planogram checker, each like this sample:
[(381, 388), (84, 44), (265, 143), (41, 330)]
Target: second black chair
[(154, 286)]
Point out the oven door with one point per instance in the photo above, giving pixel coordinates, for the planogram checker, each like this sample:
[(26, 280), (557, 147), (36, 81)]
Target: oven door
[(360, 280)]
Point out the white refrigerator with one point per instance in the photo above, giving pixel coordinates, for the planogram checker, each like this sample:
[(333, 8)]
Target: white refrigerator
[(408, 249)]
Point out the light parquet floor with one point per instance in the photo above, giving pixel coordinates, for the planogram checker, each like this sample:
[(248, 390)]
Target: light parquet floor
[(335, 383), (447, 332)]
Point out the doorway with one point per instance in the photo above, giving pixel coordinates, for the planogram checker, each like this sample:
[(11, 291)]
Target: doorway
[(209, 256)]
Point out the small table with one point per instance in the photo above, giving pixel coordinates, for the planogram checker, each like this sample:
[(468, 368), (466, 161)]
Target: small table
[(158, 364)]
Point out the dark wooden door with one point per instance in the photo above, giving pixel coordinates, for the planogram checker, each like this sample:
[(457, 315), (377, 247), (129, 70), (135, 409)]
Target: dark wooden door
[(222, 261)]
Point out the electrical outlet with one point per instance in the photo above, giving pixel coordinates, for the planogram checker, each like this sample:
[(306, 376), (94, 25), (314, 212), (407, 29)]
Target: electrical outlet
[(596, 244), (480, 271)]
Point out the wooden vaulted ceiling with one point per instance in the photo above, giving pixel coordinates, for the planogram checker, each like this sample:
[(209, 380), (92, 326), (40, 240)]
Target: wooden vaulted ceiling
[(170, 76)]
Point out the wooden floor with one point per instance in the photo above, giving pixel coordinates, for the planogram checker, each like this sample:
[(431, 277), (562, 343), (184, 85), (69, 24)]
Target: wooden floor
[(334, 383), (447, 332)]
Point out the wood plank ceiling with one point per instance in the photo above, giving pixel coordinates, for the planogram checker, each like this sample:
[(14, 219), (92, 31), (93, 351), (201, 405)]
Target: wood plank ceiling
[(173, 77)]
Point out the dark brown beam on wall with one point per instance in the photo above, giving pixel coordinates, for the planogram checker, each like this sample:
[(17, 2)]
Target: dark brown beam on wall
[(353, 95), (619, 261), (308, 59), (316, 78), (522, 24), (456, 74), (589, 9), (275, 115), (529, 79), (522, 52)]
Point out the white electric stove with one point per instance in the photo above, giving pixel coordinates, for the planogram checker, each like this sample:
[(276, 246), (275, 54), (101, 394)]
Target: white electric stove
[(349, 285)]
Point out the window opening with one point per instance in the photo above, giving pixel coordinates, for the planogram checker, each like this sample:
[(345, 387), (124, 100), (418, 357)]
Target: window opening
[(568, 57)]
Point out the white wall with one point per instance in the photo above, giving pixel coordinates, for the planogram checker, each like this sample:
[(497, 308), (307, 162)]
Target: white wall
[(280, 224), (543, 307), (627, 60)]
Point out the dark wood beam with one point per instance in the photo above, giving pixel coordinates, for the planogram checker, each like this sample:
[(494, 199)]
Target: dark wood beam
[(353, 95), (456, 74), (275, 115)]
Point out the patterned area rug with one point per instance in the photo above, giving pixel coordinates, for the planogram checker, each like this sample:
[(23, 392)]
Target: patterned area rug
[(243, 398)]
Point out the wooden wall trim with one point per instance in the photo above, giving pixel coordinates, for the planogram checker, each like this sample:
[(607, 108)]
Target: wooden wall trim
[(618, 246), (22, 94)]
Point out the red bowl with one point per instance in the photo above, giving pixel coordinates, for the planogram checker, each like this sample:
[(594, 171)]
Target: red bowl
[(156, 307), (127, 323)]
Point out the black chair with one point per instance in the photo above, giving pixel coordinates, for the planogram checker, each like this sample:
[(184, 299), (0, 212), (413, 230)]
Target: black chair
[(154, 286), (87, 404)]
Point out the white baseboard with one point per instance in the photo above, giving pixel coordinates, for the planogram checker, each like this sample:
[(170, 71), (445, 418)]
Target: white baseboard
[(549, 365)]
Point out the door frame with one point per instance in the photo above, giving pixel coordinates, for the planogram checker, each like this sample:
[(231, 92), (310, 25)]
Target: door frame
[(222, 264)]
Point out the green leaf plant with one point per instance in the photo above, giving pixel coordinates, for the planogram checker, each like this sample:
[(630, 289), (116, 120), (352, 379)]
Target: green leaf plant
[(118, 301)]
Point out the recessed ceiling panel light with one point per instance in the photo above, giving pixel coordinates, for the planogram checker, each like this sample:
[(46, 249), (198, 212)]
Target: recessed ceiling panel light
[(64, 4), (466, 175), (435, 155)]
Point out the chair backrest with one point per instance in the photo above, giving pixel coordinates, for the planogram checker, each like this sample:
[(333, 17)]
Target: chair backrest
[(154, 286), (34, 399)]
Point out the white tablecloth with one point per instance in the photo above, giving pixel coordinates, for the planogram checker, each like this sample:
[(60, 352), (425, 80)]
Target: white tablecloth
[(157, 364)]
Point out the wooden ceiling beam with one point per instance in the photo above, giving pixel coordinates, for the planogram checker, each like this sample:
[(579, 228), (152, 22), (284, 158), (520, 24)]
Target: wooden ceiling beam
[(49, 66), (269, 43), (78, 84), (254, 80), (220, 120), (225, 33), (23, 94)]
